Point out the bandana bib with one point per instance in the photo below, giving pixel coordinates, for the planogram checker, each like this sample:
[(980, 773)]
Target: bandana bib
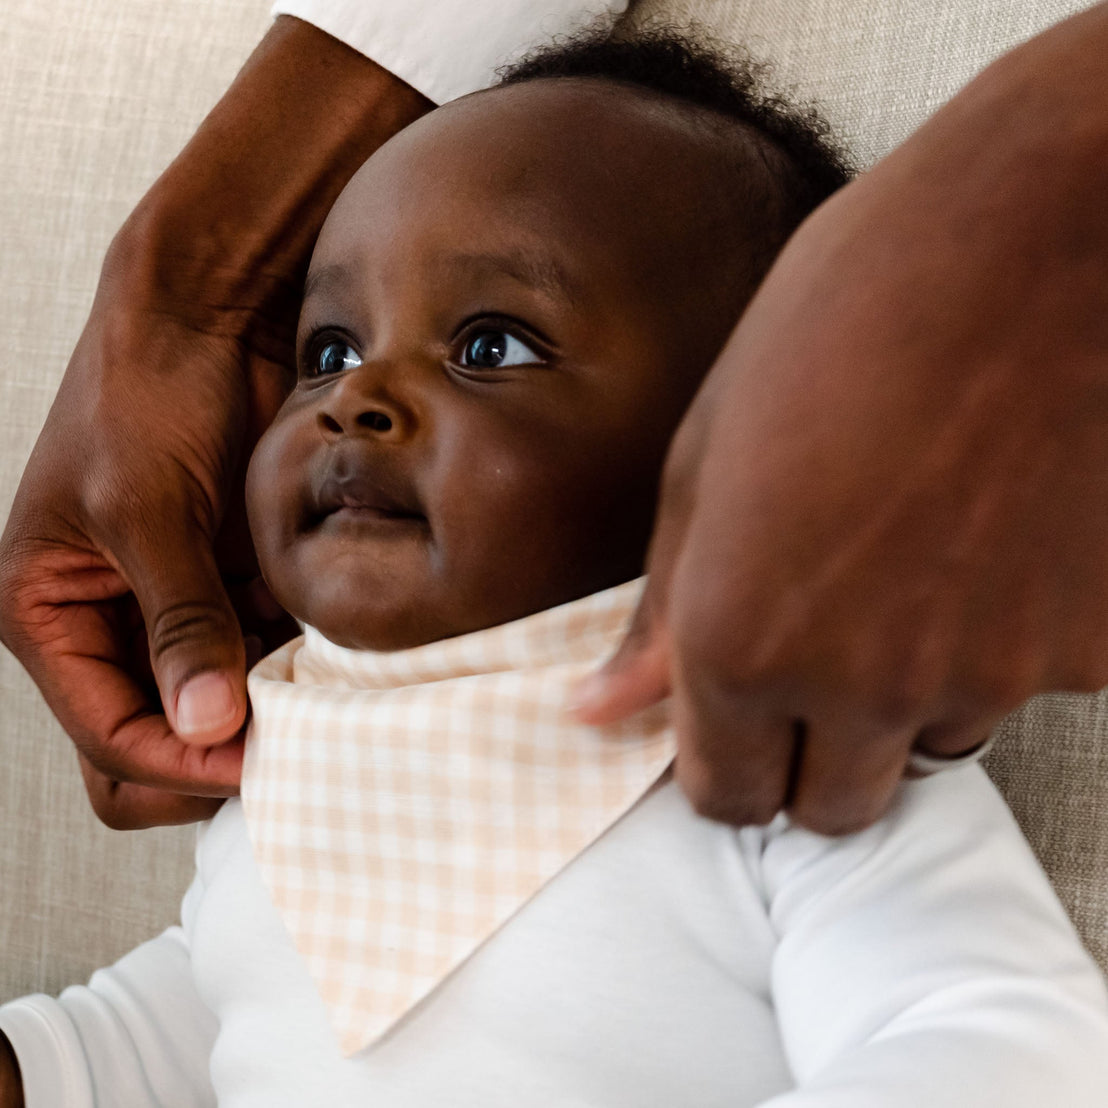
[(403, 806)]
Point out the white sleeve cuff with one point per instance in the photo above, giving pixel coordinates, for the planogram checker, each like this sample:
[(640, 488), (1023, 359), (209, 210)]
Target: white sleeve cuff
[(446, 48), (51, 1058)]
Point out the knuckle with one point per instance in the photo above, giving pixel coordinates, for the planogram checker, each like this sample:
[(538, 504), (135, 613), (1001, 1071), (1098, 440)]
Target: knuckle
[(709, 644), (722, 809), (27, 604), (951, 741), (1084, 680), (117, 818), (839, 819), (113, 501), (103, 795), (186, 623), (718, 800), (897, 706), (17, 560), (11, 607), (831, 824), (894, 692), (1084, 671), (1001, 682), (132, 503)]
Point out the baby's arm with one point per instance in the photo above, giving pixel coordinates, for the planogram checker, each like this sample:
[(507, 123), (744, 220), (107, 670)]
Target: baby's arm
[(137, 1034), (927, 961)]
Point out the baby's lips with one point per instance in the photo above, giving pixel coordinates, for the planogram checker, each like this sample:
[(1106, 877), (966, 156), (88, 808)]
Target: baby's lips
[(351, 480)]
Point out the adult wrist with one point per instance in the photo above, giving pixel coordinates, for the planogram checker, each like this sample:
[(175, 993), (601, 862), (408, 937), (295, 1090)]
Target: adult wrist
[(1033, 129), (226, 232)]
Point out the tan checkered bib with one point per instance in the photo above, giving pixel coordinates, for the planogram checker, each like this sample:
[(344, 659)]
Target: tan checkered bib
[(402, 807)]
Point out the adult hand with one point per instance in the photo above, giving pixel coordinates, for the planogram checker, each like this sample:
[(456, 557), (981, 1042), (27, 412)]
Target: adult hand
[(128, 523), (884, 521)]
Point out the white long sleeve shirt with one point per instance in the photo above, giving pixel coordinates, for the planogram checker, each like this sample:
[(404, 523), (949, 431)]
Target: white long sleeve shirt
[(923, 962), (442, 48)]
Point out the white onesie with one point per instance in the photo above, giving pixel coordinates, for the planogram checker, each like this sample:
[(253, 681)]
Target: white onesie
[(674, 962)]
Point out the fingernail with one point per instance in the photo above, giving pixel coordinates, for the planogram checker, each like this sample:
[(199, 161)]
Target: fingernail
[(205, 703)]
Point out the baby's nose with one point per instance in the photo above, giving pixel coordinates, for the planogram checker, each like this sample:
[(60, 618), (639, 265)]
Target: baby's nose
[(362, 402), (375, 421)]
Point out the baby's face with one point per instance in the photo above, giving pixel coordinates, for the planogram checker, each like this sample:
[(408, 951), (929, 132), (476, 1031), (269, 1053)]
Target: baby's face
[(493, 352)]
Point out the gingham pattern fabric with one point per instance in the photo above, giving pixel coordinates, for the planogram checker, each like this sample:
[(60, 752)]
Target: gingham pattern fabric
[(403, 806)]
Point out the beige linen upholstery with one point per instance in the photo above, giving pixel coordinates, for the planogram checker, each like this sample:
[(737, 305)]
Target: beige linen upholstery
[(97, 95)]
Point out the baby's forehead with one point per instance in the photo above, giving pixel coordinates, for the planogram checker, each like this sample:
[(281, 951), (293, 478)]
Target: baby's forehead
[(611, 187), (603, 152), (588, 112), (617, 98)]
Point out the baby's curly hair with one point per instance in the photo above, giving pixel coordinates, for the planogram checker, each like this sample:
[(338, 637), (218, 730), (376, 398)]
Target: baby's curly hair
[(793, 150)]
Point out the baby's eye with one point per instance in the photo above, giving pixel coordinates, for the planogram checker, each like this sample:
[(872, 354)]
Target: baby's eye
[(495, 349), (334, 357)]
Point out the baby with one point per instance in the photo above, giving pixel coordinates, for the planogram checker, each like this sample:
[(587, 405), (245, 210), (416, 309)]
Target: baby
[(506, 315)]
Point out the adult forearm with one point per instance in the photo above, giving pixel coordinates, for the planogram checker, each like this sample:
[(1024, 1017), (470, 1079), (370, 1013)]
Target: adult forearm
[(1028, 142), (902, 539), (238, 210), (1055, 89), (201, 284)]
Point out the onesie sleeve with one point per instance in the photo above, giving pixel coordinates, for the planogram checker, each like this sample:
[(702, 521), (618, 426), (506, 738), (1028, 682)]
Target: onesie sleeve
[(444, 48), (927, 961), (137, 1035)]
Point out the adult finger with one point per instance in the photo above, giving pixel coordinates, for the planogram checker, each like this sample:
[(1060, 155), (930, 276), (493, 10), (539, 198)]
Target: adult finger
[(195, 641), (66, 622), (118, 732), (635, 677), (953, 740), (125, 806), (638, 673), (846, 775), (734, 760)]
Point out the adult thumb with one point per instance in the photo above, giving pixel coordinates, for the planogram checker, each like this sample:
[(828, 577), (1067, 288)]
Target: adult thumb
[(195, 642), (636, 676), (639, 673)]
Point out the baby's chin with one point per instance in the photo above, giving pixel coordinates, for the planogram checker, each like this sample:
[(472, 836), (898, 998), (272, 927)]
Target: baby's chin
[(387, 630), (381, 632), (390, 636)]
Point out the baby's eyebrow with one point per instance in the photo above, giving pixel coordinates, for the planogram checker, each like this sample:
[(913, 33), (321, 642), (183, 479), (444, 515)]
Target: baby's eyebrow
[(533, 270), (536, 271), (319, 279)]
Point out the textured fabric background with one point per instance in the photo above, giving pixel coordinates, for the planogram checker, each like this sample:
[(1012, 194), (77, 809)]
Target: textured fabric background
[(878, 67), (95, 98)]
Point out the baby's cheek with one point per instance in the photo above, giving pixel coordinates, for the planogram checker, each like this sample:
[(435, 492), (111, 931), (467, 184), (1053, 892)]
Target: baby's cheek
[(259, 506), (272, 480), (517, 534)]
